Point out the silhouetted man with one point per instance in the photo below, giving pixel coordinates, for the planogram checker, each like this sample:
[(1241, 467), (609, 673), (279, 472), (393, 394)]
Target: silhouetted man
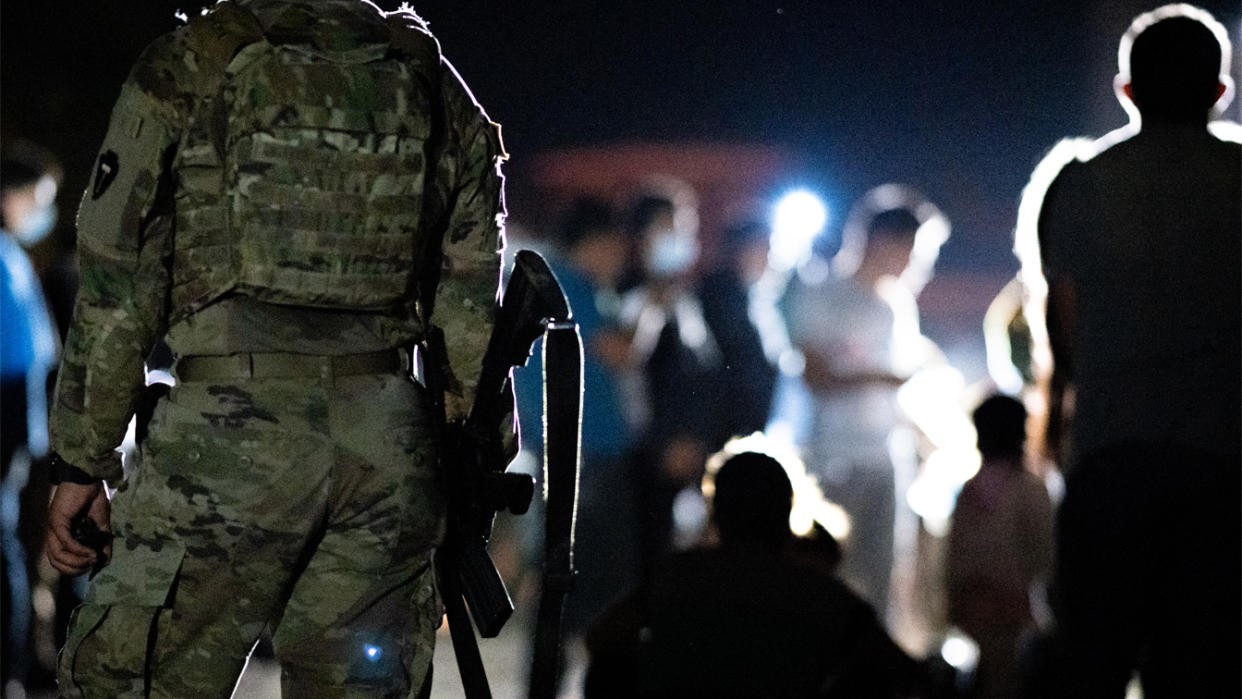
[(1140, 243), (756, 616)]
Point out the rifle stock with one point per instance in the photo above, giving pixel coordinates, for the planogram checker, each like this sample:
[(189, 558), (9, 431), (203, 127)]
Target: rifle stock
[(474, 461), (477, 489), (562, 400)]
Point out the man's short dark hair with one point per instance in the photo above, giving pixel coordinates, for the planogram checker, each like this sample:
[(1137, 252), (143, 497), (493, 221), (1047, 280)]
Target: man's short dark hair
[(752, 500), (743, 234), (1000, 422), (893, 223), (23, 163), (1174, 63), (646, 210), (585, 217)]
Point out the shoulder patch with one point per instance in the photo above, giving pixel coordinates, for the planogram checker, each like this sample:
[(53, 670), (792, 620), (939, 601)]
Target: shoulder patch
[(105, 173)]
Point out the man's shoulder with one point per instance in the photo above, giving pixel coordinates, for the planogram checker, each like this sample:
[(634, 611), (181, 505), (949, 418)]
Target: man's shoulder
[(171, 69), (165, 68), (1218, 140), (1229, 133), (411, 35), (745, 567)]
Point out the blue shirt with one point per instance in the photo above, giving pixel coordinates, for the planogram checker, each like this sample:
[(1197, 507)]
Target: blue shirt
[(605, 434), (27, 342)]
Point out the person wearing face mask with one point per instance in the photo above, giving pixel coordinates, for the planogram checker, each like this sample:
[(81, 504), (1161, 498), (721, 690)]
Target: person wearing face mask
[(28, 349), (671, 382), (590, 254)]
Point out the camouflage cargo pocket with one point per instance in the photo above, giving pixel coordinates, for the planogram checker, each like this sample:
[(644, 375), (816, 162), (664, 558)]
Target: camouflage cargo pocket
[(114, 631), (427, 616)]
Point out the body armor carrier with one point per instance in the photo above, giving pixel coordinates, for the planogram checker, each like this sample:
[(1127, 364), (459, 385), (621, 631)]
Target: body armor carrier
[(301, 173)]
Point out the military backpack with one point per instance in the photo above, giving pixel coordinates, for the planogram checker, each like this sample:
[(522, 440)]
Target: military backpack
[(300, 175)]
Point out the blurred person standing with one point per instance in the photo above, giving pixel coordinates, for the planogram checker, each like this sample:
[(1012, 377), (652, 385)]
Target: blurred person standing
[(592, 251), (727, 295), (671, 385), (857, 327), (1139, 240), (285, 190), (29, 178), (1000, 545)]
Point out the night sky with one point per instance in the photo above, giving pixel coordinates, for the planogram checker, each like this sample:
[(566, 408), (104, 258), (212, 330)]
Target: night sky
[(958, 99)]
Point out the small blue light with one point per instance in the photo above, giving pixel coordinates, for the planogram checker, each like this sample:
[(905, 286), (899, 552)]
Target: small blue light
[(373, 652)]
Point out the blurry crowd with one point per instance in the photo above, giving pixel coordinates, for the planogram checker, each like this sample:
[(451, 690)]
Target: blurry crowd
[(818, 359), (772, 451)]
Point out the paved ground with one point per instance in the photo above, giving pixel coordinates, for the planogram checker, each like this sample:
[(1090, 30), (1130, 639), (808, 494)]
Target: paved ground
[(504, 656)]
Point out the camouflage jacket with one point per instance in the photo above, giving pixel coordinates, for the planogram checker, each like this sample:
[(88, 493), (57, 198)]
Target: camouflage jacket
[(128, 228)]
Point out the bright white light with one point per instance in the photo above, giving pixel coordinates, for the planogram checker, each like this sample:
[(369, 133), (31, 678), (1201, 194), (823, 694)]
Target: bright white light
[(799, 216), (960, 651), (373, 652), (929, 398)]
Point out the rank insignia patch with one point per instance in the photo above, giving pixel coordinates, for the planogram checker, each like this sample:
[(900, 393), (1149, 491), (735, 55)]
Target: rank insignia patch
[(105, 172)]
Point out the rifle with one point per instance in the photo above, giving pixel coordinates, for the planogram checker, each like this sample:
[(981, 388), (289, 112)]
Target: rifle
[(562, 405), (474, 461)]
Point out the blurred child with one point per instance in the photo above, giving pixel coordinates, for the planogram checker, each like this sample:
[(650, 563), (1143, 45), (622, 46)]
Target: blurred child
[(1000, 544)]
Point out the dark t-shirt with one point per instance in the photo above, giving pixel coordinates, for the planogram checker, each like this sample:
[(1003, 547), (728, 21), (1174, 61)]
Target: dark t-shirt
[(747, 622), (1148, 233)]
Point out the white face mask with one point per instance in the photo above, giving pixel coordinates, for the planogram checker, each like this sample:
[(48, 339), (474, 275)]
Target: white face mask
[(35, 226), (671, 253)]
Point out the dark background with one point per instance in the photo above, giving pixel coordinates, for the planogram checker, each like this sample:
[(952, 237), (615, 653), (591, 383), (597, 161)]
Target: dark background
[(958, 99)]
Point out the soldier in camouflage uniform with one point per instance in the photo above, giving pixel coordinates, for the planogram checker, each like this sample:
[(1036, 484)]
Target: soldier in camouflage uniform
[(285, 188)]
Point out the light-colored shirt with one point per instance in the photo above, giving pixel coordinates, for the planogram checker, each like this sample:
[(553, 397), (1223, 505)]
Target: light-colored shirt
[(851, 329)]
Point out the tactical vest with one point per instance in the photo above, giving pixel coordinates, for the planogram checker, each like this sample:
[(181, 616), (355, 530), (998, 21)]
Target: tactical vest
[(300, 175)]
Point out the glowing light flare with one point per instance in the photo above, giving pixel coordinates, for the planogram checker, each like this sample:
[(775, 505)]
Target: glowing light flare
[(798, 217), (828, 514), (960, 651), (930, 398), (373, 652), (933, 494), (1026, 239)]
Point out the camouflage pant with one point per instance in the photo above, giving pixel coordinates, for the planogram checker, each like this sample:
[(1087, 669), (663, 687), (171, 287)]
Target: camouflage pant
[(307, 505)]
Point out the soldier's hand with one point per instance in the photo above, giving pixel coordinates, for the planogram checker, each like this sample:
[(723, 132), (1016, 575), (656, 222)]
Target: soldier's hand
[(64, 552)]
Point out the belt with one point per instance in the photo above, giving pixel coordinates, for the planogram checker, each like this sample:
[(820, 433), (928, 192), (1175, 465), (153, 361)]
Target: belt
[(284, 365)]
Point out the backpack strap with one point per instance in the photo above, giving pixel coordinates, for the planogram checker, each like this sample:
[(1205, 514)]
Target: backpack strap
[(411, 38), (218, 37), (413, 41)]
